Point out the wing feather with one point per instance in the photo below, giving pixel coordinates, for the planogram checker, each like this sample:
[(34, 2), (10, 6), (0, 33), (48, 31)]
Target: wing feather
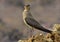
[(32, 22)]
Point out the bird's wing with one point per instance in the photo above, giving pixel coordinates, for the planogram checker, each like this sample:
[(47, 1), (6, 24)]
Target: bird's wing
[(32, 22)]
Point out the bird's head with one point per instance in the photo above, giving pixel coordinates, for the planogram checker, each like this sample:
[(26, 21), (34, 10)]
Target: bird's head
[(27, 7)]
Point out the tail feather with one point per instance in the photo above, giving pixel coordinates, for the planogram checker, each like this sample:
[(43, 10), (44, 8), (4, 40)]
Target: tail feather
[(43, 29)]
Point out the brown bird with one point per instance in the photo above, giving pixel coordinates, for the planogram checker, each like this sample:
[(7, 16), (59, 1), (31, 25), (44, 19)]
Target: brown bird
[(30, 21)]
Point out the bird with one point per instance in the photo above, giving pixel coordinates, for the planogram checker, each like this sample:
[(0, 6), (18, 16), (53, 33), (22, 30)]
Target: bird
[(31, 22)]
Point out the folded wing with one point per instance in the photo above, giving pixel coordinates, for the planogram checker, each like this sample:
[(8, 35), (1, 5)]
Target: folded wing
[(32, 22)]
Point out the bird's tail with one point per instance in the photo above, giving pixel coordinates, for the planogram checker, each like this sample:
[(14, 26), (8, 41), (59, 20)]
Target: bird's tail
[(43, 29)]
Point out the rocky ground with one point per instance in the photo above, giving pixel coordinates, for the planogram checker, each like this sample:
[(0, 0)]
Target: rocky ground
[(54, 37)]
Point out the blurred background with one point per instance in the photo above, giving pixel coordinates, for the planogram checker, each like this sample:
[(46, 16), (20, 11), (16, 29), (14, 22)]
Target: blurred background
[(12, 27)]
